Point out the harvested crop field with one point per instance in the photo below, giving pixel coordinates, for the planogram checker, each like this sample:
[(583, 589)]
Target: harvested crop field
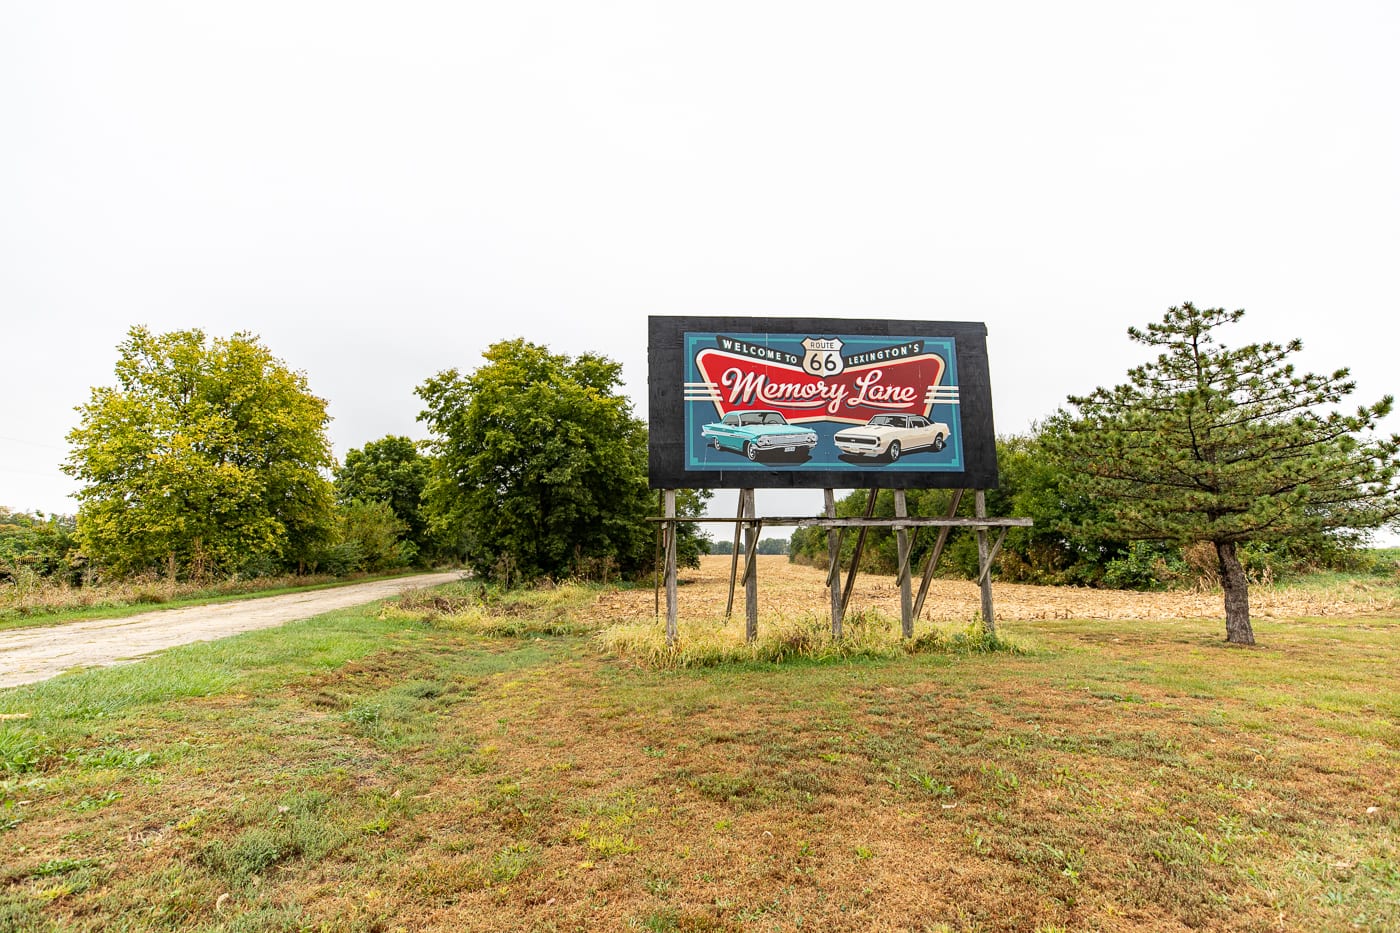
[(788, 589)]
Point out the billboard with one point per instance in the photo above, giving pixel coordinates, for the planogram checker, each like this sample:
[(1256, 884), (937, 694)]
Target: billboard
[(819, 402)]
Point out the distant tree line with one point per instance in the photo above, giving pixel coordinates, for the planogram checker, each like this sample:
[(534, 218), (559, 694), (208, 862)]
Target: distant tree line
[(765, 546)]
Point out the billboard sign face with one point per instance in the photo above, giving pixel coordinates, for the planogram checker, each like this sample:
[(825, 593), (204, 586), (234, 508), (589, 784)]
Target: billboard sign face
[(782, 402)]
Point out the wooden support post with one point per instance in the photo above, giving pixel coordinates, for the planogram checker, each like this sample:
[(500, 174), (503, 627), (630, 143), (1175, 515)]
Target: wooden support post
[(734, 558), (833, 571), (904, 571), (751, 551), (996, 549), (855, 558), (670, 512), (901, 536), (984, 560), (671, 568), (751, 572), (936, 554), (656, 563), (833, 576)]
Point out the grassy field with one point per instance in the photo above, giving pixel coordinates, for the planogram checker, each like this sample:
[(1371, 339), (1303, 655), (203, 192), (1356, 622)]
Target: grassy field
[(368, 771)]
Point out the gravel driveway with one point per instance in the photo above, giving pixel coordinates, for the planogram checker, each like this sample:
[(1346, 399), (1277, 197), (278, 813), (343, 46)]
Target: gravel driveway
[(31, 654)]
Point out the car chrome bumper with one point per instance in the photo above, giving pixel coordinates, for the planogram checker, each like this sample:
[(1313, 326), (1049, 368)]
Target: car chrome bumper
[(765, 444)]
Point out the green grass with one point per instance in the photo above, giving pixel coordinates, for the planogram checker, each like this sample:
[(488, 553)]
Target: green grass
[(1378, 571), (14, 618), (367, 770)]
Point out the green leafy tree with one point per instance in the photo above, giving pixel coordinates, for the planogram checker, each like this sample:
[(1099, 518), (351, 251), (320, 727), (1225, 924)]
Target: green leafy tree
[(391, 470), (205, 456), (368, 537), (1208, 443), (541, 465), (38, 546)]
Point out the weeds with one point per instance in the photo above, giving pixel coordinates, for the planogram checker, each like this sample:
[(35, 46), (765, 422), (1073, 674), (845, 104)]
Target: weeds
[(59, 866), (89, 803), (932, 785), (601, 843), (484, 609), (301, 833), (512, 861), (868, 634), (21, 750), (109, 757)]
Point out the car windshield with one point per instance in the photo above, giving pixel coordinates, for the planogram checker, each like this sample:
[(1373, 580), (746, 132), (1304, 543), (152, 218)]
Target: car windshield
[(763, 417), (887, 421)]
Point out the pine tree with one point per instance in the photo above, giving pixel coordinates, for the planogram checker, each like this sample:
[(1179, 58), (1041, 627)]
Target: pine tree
[(1207, 443)]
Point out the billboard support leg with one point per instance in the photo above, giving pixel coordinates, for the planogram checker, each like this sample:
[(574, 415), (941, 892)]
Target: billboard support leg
[(996, 549), (984, 559), (656, 563), (734, 559), (670, 536), (855, 558), (936, 554), (833, 574), (901, 535), (751, 567)]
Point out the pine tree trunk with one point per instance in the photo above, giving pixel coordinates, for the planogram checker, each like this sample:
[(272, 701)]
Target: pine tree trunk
[(1237, 628)]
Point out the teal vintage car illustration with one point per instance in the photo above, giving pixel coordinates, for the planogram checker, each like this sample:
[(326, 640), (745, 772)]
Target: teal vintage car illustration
[(753, 433)]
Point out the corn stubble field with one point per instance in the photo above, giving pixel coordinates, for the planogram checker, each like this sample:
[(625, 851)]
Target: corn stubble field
[(473, 761)]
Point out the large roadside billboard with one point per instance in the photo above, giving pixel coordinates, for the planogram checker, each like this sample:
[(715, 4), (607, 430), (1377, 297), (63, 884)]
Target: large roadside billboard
[(819, 402)]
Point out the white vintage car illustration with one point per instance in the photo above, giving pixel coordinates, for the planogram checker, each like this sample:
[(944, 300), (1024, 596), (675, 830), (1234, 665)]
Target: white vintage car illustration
[(891, 436)]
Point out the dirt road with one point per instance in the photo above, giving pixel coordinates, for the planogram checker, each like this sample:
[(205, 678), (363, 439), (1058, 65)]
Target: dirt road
[(32, 654)]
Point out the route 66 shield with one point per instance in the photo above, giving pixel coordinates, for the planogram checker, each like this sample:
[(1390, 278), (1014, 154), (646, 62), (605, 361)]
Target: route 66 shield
[(823, 356)]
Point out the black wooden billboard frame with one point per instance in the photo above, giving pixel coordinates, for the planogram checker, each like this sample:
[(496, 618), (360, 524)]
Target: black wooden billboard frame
[(667, 470), (666, 407)]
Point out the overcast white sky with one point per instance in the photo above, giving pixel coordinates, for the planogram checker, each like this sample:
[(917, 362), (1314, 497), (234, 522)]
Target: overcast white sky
[(382, 190)]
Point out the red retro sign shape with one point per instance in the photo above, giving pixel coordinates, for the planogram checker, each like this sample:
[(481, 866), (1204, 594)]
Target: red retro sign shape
[(740, 383)]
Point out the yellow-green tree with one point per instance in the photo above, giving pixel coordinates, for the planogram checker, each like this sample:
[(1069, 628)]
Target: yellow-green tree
[(205, 457)]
